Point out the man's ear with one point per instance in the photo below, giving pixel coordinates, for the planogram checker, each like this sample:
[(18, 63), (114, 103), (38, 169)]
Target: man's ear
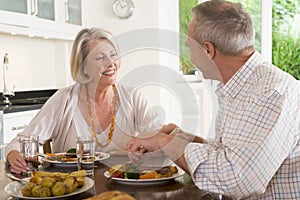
[(210, 49)]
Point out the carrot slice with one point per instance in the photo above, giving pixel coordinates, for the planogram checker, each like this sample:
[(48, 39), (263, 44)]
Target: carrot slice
[(148, 176)]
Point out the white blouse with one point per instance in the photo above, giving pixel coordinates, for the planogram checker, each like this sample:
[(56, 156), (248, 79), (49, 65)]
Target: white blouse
[(61, 120)]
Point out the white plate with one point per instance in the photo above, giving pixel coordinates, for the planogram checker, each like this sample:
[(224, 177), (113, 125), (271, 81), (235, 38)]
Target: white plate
[(98, 157), (15, 189), (146, 181)]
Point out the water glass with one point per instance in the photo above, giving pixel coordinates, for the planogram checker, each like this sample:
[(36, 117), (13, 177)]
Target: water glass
[(85, 150), (29, 149)]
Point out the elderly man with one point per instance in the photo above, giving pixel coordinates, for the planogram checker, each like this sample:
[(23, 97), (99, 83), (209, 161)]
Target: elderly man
[(256, 151)]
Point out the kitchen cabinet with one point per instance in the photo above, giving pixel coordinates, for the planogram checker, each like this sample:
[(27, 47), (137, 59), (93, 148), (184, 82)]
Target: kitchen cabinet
[(12, 124), (55, 19)]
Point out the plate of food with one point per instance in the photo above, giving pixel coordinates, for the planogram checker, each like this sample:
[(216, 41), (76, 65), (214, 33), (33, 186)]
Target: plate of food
[(70, 158), (130, 174), (50, 185)]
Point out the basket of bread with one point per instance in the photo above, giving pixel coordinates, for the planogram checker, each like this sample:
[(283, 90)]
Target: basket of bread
[(112, 195)]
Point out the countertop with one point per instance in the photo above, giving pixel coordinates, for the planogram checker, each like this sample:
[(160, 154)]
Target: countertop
[(19, 108), (27, 100)]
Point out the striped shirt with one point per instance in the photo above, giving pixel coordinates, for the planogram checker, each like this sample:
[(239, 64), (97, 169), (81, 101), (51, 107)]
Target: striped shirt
[(256, 151)]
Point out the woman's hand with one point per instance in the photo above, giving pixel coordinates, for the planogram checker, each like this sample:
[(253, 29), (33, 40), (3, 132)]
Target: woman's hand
[(17, 162)]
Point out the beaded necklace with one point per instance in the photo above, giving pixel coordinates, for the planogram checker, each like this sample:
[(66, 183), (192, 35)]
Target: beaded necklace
[(91, 119)]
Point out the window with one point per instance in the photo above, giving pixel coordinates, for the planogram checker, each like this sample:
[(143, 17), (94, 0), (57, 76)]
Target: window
[(185, 16), (277, 32)]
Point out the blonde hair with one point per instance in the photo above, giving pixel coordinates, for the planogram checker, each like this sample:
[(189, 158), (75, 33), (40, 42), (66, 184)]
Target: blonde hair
[(80, 51)]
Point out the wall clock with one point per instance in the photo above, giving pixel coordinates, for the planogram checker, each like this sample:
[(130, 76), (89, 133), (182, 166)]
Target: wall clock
[(123, 8)]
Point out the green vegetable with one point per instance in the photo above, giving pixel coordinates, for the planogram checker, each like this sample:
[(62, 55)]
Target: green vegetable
[(132, 174), (72, 150)]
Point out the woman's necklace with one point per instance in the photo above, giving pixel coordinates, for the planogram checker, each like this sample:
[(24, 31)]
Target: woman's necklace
[(91, 119)]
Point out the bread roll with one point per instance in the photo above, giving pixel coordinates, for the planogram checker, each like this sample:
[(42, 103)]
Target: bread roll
[(112, 195)]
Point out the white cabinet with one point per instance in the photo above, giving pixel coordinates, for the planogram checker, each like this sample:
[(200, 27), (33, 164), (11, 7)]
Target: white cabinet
[(14, 123), (57, 19)]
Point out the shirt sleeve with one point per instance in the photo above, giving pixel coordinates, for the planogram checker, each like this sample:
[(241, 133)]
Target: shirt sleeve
[(255, 142)]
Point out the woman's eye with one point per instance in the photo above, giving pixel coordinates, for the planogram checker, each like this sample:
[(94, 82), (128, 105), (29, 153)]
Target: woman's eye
[(113, 55), (101, 58)]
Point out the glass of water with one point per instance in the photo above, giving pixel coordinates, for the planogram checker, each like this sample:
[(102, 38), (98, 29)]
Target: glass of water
[(29, 149), (85, 150)]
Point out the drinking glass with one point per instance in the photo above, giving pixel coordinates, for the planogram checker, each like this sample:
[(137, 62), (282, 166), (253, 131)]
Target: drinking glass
[(29, 148), (85, 150)]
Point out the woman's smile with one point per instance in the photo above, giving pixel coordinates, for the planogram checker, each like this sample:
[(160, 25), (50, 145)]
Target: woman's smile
[(109, 72)]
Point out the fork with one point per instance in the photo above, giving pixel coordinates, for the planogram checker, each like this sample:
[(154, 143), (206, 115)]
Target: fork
[(24, 182)]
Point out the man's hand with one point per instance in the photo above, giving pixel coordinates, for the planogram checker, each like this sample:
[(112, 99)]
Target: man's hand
[(168, 128)]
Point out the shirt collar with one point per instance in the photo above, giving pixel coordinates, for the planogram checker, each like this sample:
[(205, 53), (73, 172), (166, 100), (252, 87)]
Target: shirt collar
[(238, 80)]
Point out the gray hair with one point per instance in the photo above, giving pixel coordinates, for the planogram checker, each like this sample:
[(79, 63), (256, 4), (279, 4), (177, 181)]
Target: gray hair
[(80, 51), (226, 25)]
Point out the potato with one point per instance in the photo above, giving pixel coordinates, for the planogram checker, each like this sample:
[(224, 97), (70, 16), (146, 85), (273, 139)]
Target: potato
[(78, 173), (45, 192), (69, 184), (48, 182), (36, 191), (80, 181), (69, 181), (36, 180), (58, 189), (69, 189), (31, 185), (75, 185), (26, 191)]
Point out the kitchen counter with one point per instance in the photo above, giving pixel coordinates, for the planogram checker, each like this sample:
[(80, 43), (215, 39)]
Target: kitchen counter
[(19, 108), (16, 116), (28, 100)]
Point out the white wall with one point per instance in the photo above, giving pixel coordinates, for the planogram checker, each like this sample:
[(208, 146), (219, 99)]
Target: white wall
[(37, 63), (32, 62)]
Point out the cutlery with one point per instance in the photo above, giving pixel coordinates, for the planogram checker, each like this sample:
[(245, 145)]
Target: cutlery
[(53, 158), (130, 164), (175, 131), (24, 182)]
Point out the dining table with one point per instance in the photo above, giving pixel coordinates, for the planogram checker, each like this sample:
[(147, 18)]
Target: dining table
[(181, 187)]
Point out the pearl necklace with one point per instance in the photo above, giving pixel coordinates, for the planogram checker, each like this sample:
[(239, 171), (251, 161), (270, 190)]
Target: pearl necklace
[(91, 119)]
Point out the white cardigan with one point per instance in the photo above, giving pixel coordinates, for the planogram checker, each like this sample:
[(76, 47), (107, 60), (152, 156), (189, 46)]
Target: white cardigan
[(61, 120)]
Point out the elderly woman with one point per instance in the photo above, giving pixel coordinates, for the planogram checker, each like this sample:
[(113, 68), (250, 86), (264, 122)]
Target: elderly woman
[(94, 106)]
